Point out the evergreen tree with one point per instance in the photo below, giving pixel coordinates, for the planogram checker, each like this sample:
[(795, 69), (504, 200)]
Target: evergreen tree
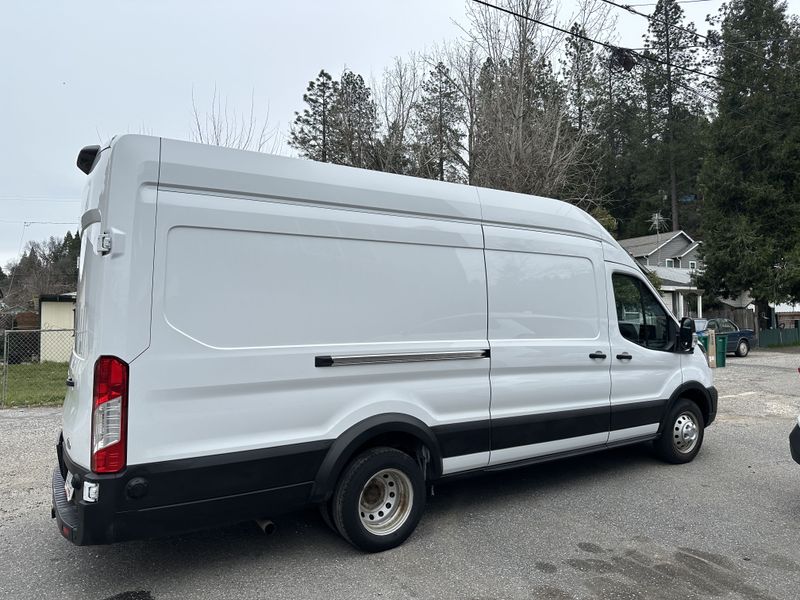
[(579, 75), (46, 267), (438, 133), (311, 131), (751, 175), (353, 123), (629, 161), (669, 90)]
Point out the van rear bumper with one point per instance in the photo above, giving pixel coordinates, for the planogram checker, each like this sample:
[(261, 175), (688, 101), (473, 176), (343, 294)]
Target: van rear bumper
[(159, 499)]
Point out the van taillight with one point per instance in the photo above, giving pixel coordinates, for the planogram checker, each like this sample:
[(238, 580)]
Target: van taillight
[(109, 415)]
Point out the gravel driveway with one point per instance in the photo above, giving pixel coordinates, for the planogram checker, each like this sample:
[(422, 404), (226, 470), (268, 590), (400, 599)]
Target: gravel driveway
[(618, 524)]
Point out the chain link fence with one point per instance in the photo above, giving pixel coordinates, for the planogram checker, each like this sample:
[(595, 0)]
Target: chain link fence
[(34, 366)]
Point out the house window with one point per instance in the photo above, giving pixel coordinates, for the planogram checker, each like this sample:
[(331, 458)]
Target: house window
[(670, 262), (692, 265)]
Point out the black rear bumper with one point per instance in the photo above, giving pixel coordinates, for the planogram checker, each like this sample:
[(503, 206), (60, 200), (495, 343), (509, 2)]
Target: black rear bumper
[(794, 443), (178, 496), (64, 512)]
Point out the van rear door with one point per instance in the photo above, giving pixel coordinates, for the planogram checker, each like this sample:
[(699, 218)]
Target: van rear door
[(112, 311)]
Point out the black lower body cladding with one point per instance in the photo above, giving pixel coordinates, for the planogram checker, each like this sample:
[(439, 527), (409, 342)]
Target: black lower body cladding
[(188, 494), (184, 495)]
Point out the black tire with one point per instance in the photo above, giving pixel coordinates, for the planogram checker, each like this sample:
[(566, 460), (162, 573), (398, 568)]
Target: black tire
[(743, 348), (673, 445), (401, 477)]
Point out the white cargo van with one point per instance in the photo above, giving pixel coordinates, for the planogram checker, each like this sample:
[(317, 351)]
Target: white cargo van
[(257, 333)]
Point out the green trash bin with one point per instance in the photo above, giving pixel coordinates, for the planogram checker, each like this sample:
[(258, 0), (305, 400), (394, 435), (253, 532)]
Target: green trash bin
[(703, 339), (722, 348)]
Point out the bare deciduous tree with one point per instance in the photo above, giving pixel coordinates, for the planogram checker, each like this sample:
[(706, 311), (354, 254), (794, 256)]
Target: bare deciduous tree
[(464, 60), (396, 96), (223, 126), (526, 142)]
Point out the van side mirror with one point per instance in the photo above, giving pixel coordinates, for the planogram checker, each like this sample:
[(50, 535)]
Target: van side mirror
[(686, 333)]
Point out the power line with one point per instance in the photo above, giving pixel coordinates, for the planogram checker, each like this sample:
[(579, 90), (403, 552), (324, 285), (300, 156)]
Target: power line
[(618, 49), (713, 100), (690, 46), (677, 2), (651, 59), (40, 222), (652, 18), (38, 199), (611, 47), (19, 251)]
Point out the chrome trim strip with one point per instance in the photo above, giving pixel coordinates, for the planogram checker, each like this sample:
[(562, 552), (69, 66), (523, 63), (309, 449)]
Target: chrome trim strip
[(403, 357)]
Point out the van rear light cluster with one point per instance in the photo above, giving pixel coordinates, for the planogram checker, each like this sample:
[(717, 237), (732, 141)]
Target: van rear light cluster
[(109, 415)]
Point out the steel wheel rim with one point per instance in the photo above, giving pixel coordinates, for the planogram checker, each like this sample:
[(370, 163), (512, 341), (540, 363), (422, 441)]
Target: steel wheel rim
[(685, 433), (385, 501), (743, 348)]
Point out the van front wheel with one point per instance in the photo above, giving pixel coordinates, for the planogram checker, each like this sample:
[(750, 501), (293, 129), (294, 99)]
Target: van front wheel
[(379, 499), (682, 434)]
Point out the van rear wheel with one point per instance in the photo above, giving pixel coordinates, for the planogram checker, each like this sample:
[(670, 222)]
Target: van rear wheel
[(682, 434), (379, 499)]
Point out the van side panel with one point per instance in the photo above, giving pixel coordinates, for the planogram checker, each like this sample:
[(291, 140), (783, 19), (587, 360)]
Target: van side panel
[(114, 289), (248, 293), (547, 314)]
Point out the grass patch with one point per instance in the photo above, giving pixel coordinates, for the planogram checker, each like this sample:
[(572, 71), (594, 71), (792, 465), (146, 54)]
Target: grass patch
[(36, 384)]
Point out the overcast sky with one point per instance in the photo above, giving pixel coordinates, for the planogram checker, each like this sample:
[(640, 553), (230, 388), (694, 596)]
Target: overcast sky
[(76, 73)]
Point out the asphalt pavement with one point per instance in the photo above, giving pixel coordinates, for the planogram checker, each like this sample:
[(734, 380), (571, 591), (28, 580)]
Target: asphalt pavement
[(617, 524)]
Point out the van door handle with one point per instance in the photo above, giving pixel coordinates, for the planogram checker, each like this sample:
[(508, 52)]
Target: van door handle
[(70, 382), (624, 356), (597, 354)]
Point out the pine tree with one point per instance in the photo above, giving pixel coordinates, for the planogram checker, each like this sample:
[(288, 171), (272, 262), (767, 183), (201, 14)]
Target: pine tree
[(438, 133), (669, 84), (579, 75), (310, 132), (630, 167), (751, 176), (353, 123)]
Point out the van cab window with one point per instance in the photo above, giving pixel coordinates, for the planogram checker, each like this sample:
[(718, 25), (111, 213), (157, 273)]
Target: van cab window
[(641, 318)]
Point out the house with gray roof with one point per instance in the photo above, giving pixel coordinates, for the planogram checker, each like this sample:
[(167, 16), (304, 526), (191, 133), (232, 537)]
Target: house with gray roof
[(674, 257)]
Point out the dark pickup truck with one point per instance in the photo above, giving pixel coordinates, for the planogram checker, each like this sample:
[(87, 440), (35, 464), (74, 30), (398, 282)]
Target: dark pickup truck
[(739, 340)]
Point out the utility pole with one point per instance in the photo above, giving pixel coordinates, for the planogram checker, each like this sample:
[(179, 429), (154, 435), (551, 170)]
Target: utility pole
[(673, 188), (656, 222), (610, 106), (441, 128)]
